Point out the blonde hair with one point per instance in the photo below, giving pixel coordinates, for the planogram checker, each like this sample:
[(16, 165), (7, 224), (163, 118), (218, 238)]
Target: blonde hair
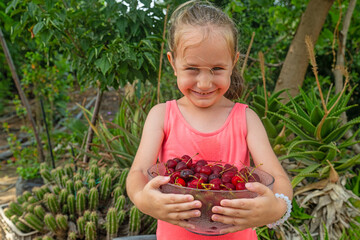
[(203, 14)]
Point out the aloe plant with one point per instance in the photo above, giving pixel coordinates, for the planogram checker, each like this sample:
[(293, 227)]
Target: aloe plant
[(274, 127), (318, 136)]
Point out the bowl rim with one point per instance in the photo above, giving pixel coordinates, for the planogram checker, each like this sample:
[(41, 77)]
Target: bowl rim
[(209, 190)]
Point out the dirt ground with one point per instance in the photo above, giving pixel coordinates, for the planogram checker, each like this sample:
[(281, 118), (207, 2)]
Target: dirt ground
[(8, 176)]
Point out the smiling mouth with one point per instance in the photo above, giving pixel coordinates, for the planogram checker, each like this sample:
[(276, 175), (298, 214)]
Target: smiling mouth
[(203, 93)]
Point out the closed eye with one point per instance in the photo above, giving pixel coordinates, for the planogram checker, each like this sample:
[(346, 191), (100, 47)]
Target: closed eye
[(191, 68), (217, 68)]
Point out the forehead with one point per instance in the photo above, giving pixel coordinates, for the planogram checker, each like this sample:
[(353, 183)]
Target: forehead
[(194, 38)]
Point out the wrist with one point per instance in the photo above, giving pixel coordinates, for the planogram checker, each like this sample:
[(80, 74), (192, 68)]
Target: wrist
[(281, 197), (281, 209)]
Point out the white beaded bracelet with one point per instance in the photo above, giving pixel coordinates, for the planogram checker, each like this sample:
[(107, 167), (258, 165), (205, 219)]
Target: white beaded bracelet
[(287, 214)]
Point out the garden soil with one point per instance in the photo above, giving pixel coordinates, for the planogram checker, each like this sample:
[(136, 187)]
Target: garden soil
[(8, 175)]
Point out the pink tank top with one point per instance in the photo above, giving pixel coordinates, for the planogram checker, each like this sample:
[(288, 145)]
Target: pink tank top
[(227, 144)]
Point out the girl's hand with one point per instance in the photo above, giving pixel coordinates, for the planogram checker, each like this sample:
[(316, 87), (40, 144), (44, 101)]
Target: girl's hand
[(172, 208), (250, 213)]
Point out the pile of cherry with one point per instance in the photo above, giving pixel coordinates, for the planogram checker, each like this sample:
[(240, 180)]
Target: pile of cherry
[(208, 175)]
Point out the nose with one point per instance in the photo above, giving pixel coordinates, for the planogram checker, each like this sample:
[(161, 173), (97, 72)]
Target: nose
[(204, 79)]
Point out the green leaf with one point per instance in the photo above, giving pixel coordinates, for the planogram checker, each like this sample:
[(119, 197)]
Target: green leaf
[(329, 125), (316, 115), (270, 128), (296, 180), (318, 155), (299, 110), (104, 64), (150, 59), (308, 103), (295, 143), (37, 28), (293, 127), (349, 163), (11, 5), (340, 132)]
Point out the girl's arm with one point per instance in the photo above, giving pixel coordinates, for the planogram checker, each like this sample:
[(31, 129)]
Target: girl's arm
[(265, 158), (173, 208), (265, 208)]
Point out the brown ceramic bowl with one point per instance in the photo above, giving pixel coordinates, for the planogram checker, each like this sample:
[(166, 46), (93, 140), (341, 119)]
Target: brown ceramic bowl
[(209, 198)]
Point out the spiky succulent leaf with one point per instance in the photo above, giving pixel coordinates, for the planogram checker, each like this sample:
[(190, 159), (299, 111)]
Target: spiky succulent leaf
[(112, 223), (94, 217), (52, 203), (90, 231), (91, 183), (50, 222), (105, 187), (33, 222), (71, 204), (80, 223), (39, 211), (80, 202), (70, 186), (134, 221), (16, 208), (120, 203), (63, 196), (93, 198), (62, 222)]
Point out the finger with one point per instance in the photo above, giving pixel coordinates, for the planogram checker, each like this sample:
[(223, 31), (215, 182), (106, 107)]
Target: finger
[(179, 207), (257, 187), (239, 222), (184, 215), (244, 203), (158, 181), (231, 212), (172, 198)]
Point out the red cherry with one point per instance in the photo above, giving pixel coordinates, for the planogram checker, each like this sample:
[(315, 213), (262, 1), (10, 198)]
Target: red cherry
[(177, 160), (227, 186), (206, 170), (216, 181), (186, 173), (213, 176), (244, 172), (240, 186), (214, 186), (197, 168), (253, 177), (201, 163), (229, 167), (180, 166), (173, 176), (204, 176), (185, 157), (171, 163), (227, 176), (180, 182), (197, 183), (216, 169), (236, 179)]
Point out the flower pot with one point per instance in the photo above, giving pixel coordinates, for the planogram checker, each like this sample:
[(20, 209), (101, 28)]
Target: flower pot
[(23, 185), (9, 231)]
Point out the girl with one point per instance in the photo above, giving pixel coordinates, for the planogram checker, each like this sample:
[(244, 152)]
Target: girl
[(203, 54)]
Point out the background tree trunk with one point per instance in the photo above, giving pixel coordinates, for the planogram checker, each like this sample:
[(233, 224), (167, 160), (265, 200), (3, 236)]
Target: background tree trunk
[(22, 95), (93, 123), (296, 62), (340, 63)]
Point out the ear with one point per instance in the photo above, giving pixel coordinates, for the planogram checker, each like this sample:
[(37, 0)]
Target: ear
[(236, 58), (172, 61)]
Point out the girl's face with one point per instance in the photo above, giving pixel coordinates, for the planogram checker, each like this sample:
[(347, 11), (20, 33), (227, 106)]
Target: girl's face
[(203, 66)]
